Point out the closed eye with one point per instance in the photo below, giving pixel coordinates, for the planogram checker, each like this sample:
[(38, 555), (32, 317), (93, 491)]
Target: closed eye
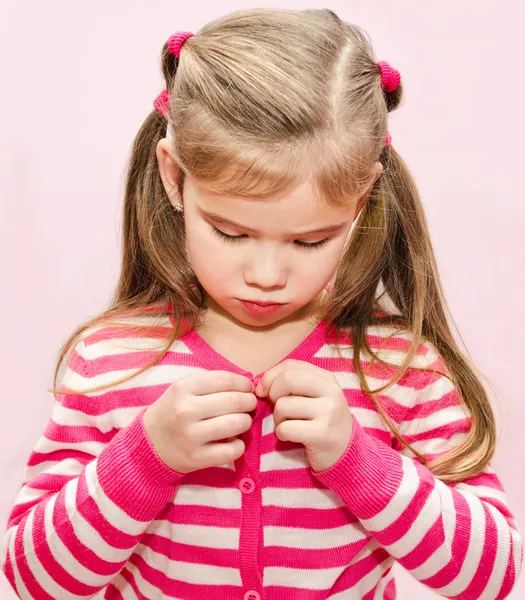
[(238, 238)]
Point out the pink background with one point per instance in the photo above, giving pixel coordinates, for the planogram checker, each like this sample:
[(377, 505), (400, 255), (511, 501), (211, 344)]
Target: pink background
[(78, 80)]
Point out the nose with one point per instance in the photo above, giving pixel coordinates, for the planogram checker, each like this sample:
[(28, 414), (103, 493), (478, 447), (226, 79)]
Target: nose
[(265, 269)]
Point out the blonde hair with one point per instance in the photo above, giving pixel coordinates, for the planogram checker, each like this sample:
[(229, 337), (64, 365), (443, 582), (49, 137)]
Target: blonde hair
[(261, 100)]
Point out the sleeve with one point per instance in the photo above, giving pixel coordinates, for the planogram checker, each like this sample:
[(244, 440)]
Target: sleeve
[(458, 539), (88, 495)]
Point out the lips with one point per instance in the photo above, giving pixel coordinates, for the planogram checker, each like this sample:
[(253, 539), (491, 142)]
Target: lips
[(263, 303), (260, 309)]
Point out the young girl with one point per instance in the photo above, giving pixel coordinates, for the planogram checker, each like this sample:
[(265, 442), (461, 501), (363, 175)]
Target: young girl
[(274, 405)]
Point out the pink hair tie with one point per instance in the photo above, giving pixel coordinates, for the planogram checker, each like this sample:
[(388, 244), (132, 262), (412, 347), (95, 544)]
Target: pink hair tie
[(177, 40), (175, 43), (390, 77), (162, 103), (390, 80)]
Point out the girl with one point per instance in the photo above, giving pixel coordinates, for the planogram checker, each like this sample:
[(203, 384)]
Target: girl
[(274, 405)]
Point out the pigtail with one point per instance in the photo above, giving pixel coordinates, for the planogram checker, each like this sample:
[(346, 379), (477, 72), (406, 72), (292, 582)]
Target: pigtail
[(391, 249), (411, 279), (148, 278)]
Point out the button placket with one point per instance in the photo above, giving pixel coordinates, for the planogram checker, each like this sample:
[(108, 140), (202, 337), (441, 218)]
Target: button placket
[(255, 380), (250, 535)]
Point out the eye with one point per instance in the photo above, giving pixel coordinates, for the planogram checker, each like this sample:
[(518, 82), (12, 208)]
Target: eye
[(238, 238), (225, 236), (313, 244)]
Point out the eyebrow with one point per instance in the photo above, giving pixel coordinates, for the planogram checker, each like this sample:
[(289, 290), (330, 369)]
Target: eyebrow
[(219, 219)]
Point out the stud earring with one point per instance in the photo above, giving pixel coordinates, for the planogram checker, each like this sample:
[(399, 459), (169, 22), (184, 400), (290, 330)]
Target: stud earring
[(178, 207)]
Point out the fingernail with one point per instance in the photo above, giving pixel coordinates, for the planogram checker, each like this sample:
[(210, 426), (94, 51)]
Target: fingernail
[(258, 389)]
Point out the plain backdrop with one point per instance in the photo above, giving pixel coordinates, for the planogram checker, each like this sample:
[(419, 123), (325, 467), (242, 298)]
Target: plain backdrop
[(77, 81)]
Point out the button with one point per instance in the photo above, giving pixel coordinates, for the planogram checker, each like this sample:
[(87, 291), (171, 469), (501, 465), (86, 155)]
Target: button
[(247, 485), (252, 595)]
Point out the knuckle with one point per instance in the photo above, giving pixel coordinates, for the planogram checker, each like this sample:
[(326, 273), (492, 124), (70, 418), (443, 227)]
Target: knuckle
[(183, 413), (289, 376), (324, 431), (179, 384), (237, 402), (192, 457), (236, 422), (335, 387), (226, 380), (231, 421)]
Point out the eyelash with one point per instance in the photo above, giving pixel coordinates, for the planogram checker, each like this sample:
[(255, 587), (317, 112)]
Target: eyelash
[(238, 238)]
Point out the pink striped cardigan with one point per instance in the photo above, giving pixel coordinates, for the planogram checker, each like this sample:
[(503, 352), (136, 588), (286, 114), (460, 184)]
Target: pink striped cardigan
[(99, 515)]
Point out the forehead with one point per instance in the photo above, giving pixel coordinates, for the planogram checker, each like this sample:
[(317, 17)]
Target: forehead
[(298, 211)]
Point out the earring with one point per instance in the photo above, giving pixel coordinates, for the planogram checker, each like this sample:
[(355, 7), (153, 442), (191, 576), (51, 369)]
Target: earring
[(178, 207)]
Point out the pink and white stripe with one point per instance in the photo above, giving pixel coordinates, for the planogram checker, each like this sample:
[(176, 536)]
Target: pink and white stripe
[(100, 516)]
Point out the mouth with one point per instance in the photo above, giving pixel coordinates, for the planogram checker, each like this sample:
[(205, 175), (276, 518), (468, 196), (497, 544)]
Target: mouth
[(259, 303), (257, 308)]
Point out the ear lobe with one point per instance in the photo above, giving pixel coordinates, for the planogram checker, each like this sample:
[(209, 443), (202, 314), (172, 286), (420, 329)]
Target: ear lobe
[(168, 168)]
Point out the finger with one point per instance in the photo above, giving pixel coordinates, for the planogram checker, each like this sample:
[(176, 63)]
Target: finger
[(220, 453), (295, 407), (268, 378), (299, 432), (296, 382), (223, 403), (223, 427), (209, 382)]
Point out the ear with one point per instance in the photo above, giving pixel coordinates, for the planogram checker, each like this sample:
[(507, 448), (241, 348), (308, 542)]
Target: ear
[(168, 169)]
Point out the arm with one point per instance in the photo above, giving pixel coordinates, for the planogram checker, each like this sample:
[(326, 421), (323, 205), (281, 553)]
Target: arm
[(89, 494), (459, 539)]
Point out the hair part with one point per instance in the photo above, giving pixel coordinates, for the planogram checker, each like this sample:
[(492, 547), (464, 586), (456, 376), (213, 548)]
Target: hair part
[(253, 120)]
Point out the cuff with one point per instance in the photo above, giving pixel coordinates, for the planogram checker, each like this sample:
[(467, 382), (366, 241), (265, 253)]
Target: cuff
[(367, 475), (132, 474)]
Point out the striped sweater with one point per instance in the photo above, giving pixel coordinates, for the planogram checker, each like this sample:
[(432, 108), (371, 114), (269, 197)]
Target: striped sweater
[(99, 515)]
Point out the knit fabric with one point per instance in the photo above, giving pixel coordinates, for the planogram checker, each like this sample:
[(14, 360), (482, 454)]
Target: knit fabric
[(99, 515)]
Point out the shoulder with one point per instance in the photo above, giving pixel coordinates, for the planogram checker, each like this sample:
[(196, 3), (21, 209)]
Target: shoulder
[(426, 386), (425, 380), (391, 345), (124, 345), (126, 334)]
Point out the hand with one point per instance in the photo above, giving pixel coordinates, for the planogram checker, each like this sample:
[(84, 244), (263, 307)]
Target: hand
[(310, 409), (197, 410)]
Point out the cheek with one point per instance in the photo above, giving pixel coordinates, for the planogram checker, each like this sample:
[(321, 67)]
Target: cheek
[(318, 264), (334, 256), (312, 273), (211, 260)]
